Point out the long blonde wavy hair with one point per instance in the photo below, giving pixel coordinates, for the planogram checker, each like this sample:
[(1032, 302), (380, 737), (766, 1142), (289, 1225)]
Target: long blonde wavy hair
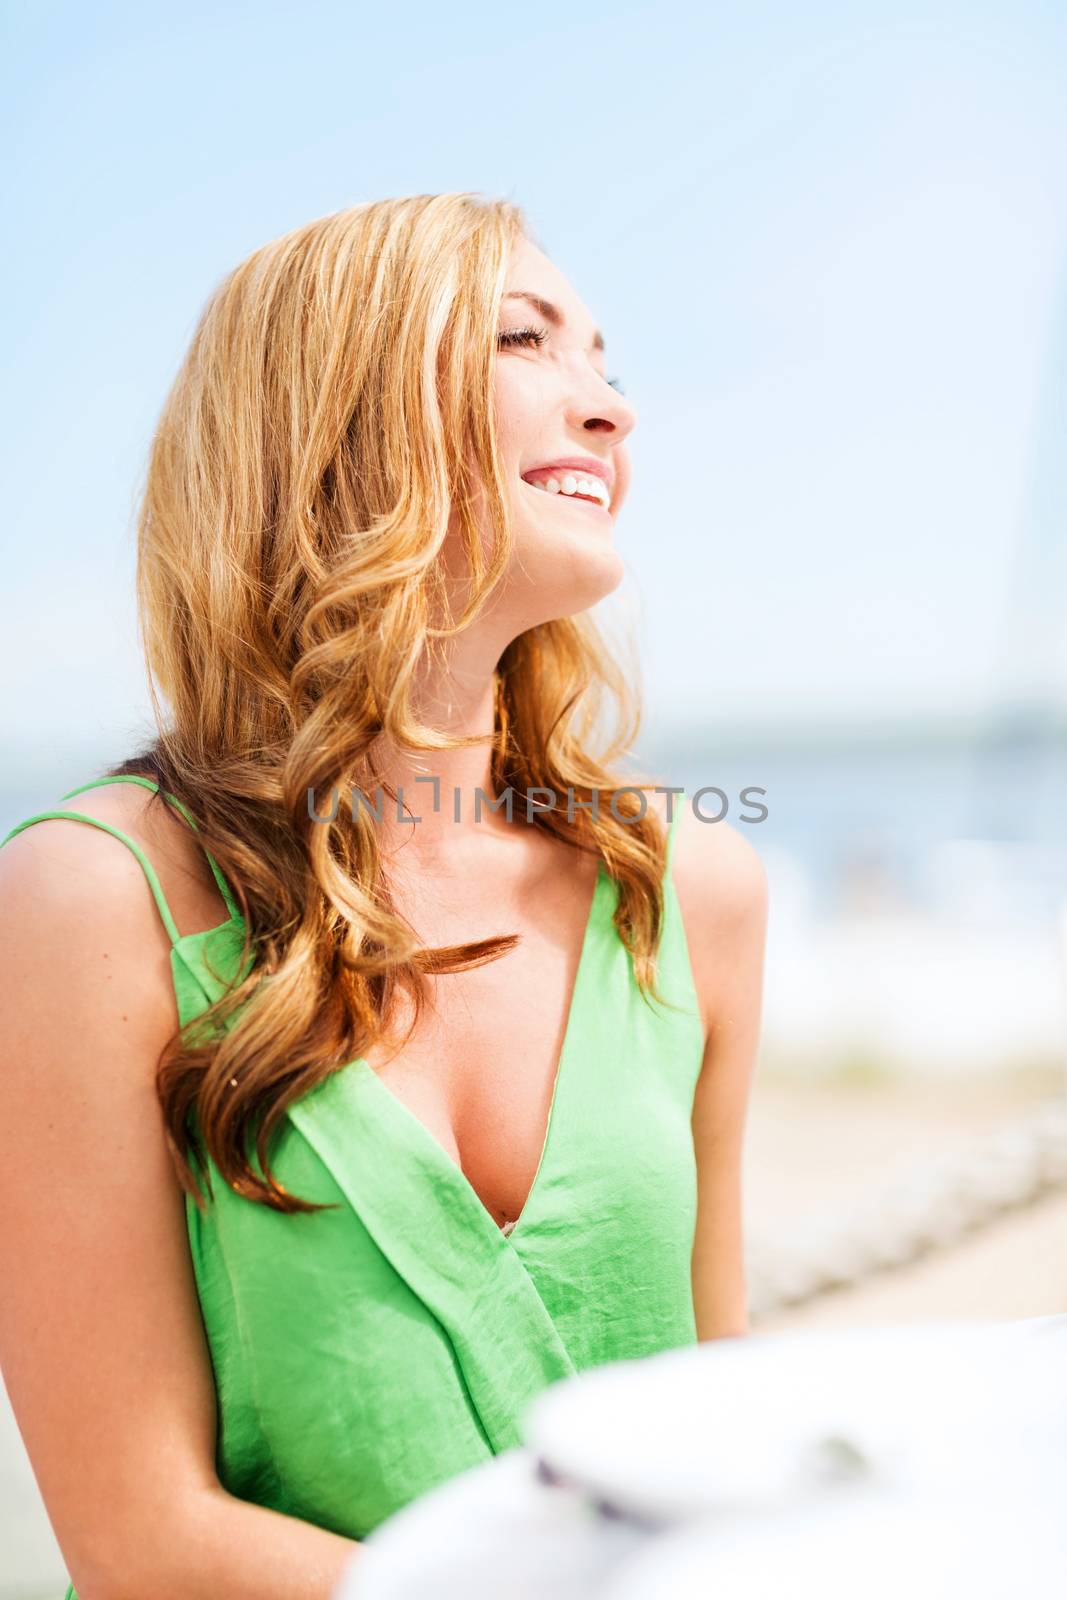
[(333, 411)]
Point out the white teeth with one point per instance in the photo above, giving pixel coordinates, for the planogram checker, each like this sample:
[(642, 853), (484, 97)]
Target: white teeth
[(574, 483)]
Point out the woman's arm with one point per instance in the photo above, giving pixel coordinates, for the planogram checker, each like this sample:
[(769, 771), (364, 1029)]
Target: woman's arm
[(722, 890), (101, 1341)]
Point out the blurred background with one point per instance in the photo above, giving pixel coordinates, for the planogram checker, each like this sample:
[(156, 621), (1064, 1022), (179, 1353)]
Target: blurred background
[(828, 248)]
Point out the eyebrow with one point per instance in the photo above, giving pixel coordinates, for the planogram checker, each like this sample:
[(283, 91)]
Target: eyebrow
[(550, 312)]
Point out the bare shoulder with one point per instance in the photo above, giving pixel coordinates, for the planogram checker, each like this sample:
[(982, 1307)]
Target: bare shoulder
[(723, 894), (79, 927), (717, 870), (80, 874)]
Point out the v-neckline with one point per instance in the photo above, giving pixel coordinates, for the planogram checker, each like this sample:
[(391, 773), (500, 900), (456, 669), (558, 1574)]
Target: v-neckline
[(429, 1140)]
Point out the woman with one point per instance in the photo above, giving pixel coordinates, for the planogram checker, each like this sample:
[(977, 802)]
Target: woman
[(352, 1111)]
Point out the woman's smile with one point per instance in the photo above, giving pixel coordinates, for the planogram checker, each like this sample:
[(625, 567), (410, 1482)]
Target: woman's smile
[(572, 497)]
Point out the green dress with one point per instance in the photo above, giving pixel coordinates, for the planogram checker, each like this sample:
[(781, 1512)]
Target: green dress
[(364, 1355)]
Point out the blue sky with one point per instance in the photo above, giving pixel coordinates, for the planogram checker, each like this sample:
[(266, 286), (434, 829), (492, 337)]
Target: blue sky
[(827, 244)]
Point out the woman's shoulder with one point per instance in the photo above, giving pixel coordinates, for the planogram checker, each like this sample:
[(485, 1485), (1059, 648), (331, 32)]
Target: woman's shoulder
[(82, 876), (716, 866), (722, 889), (84, 952)]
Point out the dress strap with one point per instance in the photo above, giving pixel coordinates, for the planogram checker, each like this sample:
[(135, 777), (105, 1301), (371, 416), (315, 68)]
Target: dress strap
[(98, 822), (150, 783)]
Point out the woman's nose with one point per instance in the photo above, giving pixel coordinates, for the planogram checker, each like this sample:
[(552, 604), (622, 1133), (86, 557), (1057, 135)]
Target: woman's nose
[(601, 408)]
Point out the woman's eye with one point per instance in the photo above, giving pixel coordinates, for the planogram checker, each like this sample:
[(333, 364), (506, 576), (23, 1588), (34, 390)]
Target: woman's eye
[(536, 336)]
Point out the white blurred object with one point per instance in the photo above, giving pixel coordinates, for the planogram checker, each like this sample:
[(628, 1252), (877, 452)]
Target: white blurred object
[(491, 1533), (870, 1547), (744, 1423), (919, 1461)]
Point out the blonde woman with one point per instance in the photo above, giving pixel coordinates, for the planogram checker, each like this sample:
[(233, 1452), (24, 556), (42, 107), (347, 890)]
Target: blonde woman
[(376, 1052)]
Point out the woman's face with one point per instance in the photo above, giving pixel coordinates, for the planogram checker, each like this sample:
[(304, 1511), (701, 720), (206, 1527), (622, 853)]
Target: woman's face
[(554, 405)]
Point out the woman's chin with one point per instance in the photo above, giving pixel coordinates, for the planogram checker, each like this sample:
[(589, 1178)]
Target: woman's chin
[(570, 579)]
